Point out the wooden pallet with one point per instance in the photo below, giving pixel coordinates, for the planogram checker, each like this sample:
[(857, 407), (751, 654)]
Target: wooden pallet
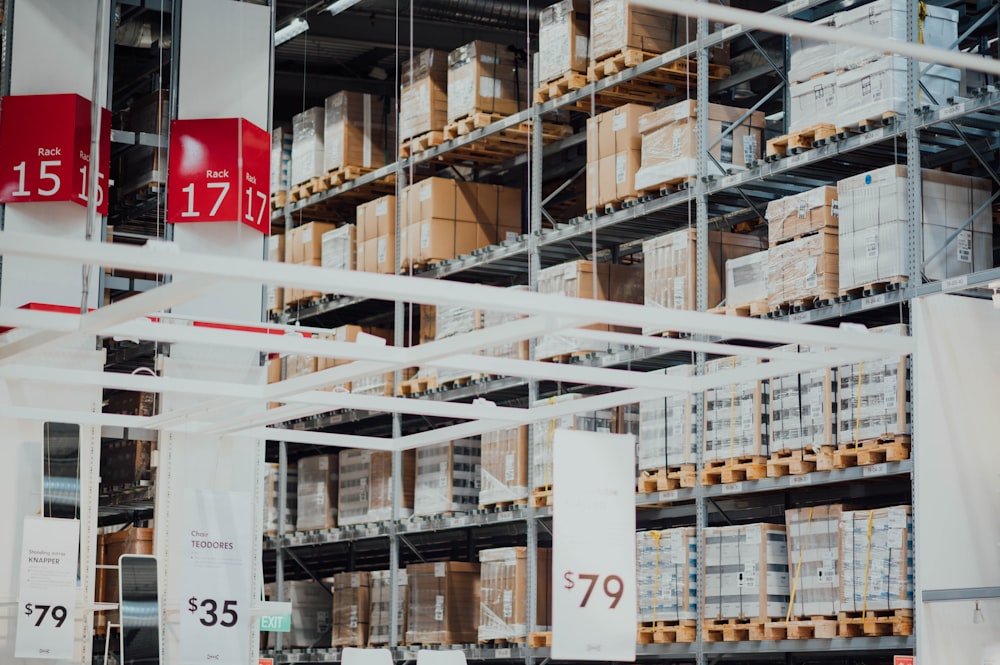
[(734, 469), (868, 124), (677, 73), (796, 142), (279, 200), (666, 478), (872, 288), (501, 145), (500, 642), (816, 627), (501, 506), (613, 206), (540, 640), (734, 630), (886, 448), (788, 463), (568, 358), (755, 308), (541, 497), (667, 632), (345, 174), (802, 304), (667, 187), (306, 189), (417, 386), (875, 623), (561, 86), (420, 143)]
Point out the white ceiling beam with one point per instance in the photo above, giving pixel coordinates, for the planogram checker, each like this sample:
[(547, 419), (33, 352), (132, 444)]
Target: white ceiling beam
[(70, 416)]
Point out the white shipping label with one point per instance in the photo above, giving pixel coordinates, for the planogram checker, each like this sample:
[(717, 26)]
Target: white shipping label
[(490, 87), (871, 244), (749, 149), (425, 235), (381, 246), (752, 535), (508, 468), (439, 608), (442, 475), (508, 603), (619, 121), (439, 569), (621, 168), (307, 234), (835, 208), (355, 581), (382, 207), (965, 246), (352, 622), (889, 397), (803, 209), (897, 518), (582, 46), (810, 270), (425, 191), (680, 293), (677, 142)]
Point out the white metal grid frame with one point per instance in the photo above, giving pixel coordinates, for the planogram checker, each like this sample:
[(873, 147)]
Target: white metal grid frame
[(223, 410)]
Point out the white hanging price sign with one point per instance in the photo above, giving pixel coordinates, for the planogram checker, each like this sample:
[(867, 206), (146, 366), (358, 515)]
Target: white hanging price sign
[(47, 600), (593, 557), (215, 621)]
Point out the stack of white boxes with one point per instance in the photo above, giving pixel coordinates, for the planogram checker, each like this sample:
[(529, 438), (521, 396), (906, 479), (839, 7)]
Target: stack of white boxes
[(543, 433), (735, 415), (338, 248), (666, 428), (814, 559), (876, 559), (667, 574), (317, 489), (746, 281), (447, 477), (872, 396), (801, 408), (746, 572), (307, 145), (873, 226)]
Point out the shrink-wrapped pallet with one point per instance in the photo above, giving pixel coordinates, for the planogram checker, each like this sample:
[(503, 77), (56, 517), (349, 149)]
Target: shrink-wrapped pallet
[(504, 471), (339, 248), (666, 429), (423, 96), (317, 493), (746, 572), (800, 214), (876, 548), (809, 58), (447, 477), (617, 25), (873, 396), (271, 493), (746, 280), (503, 593), (381, 599), (735, 414), (358, 131), (814, 559), (311, 613), (543, 434), (880, 87), (351, 609), (887, 20), (813, 102), (563, 39), (803, 270), (517, 349), (485, 78), (353, 489), (307, 145), (667, 574), (380, 482), (443, 607), (801, 408)]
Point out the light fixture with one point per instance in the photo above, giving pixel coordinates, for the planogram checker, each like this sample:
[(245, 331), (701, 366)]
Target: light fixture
[(977, 615), (341, 6), (290, 31)]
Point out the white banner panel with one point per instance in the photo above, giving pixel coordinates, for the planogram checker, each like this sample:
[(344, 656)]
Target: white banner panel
[(47, 601), (215, 617), (593, 558)]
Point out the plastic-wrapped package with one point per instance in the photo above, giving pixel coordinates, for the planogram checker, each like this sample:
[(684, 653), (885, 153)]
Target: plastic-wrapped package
[(879, 87), (746, 572), (666, 428), (873, 396), (801, 408), (504, 471), (812, 210), (351, 609), (489, 318), (339, 248), (381, 598), (447, 478), (423, 96), (803, 269), (543, 434), (736, 423), (352, 504), (503, 593), (311, 613), (814, 559), (317, 492), (667, 574), (617, 25), (307, 145), (271, 499), (380, 485), (810, 57), (746, 279), (359, 130), (485, 78), (281, 160), (443, 606), (887, 20), (876, 559), (563, 34)]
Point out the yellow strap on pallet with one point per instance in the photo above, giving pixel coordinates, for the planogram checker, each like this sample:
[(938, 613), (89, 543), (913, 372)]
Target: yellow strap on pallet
[(656, 535), (857, 407), (921, 16), (868, 561), (798, 569)]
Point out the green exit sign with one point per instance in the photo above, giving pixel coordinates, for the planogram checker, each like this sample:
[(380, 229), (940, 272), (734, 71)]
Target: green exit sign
[(278, 623)]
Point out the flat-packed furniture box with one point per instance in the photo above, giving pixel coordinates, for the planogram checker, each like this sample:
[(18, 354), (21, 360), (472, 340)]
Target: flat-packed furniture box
[(443, 606), (803, 270), (110, 548), (814, 101), (304, 246), (810, 58), (617, 25), (351, 609), (423, 96), (376, 235), (801, 408), (876, 559), (381, 599), (736, 422), (879, 87), (669, 266), (808, 212), (873, 396), (276, 253), (126, 463), (145, 167), (666, 428), (619, 283), (447, 477), (563, 39), (543, 433), (814, 560), (281, 160), (746, 281), (317, 493), (613, 155), (358, 131), (504, 470), (271, 495), (339, 248), (503, 593), (667, 574), (380, 483), (311, 613), (485, 78), (873, 226), (669, 146), (887, 20), (746, 572), (307, 145), (352, 488)]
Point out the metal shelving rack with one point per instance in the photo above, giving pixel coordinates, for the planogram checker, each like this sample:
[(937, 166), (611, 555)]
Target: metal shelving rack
[(924, 134)]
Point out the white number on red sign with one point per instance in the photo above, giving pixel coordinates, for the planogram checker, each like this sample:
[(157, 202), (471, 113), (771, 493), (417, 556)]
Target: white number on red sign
[(223, 188), (263, 206), (43, 174)]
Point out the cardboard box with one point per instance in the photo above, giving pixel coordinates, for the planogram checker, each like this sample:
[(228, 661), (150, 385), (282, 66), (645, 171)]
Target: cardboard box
[(803, 269), (358, 131), (746, 279), (489, 318), (311, 613), (317, 493), (307, 145), (377, 218), (504, 471), (615, 131), (271, 507), (746, 572), (622, 24), (808, 212), (110, 548), (887, 20), (666, 429), (447, 478), (873, 397), (879, 87), (353, 489), (876, 559), (380, 482), (351, 607), (543, 433), (381, 598), (667, 574), (503, 593), (736, 423), (563, 39), (814, 559), (813, 102), (338, 248), (443, 603), (485, 77), (801, 408), (423, 105)]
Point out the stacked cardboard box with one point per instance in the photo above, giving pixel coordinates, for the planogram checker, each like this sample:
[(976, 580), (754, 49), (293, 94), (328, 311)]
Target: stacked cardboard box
[(504, 471), (613, 154), (276, 253), (503, 593), (271, 508), (746, 280), (376, 236), (423, 96), (814, 559), (623, 24), (876, 559), (670, 270), (281, 160), (311, 613), (667, 574), (338, 248), (145, 167), (873, 226), (801, 408), (873, 395), (666, 429), (563, 39), (447, 478), (746, 572), (802, 270), (489, 318), (736, 416), (352, 489), (381, 484), (811, 211), (669, 145), (351, 609), (358, 131), (487, 78), (381, 599), (444, 218), (317, 493), (443, 603), (619, 283), (304, 246), (307, 145), (543, 434)]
